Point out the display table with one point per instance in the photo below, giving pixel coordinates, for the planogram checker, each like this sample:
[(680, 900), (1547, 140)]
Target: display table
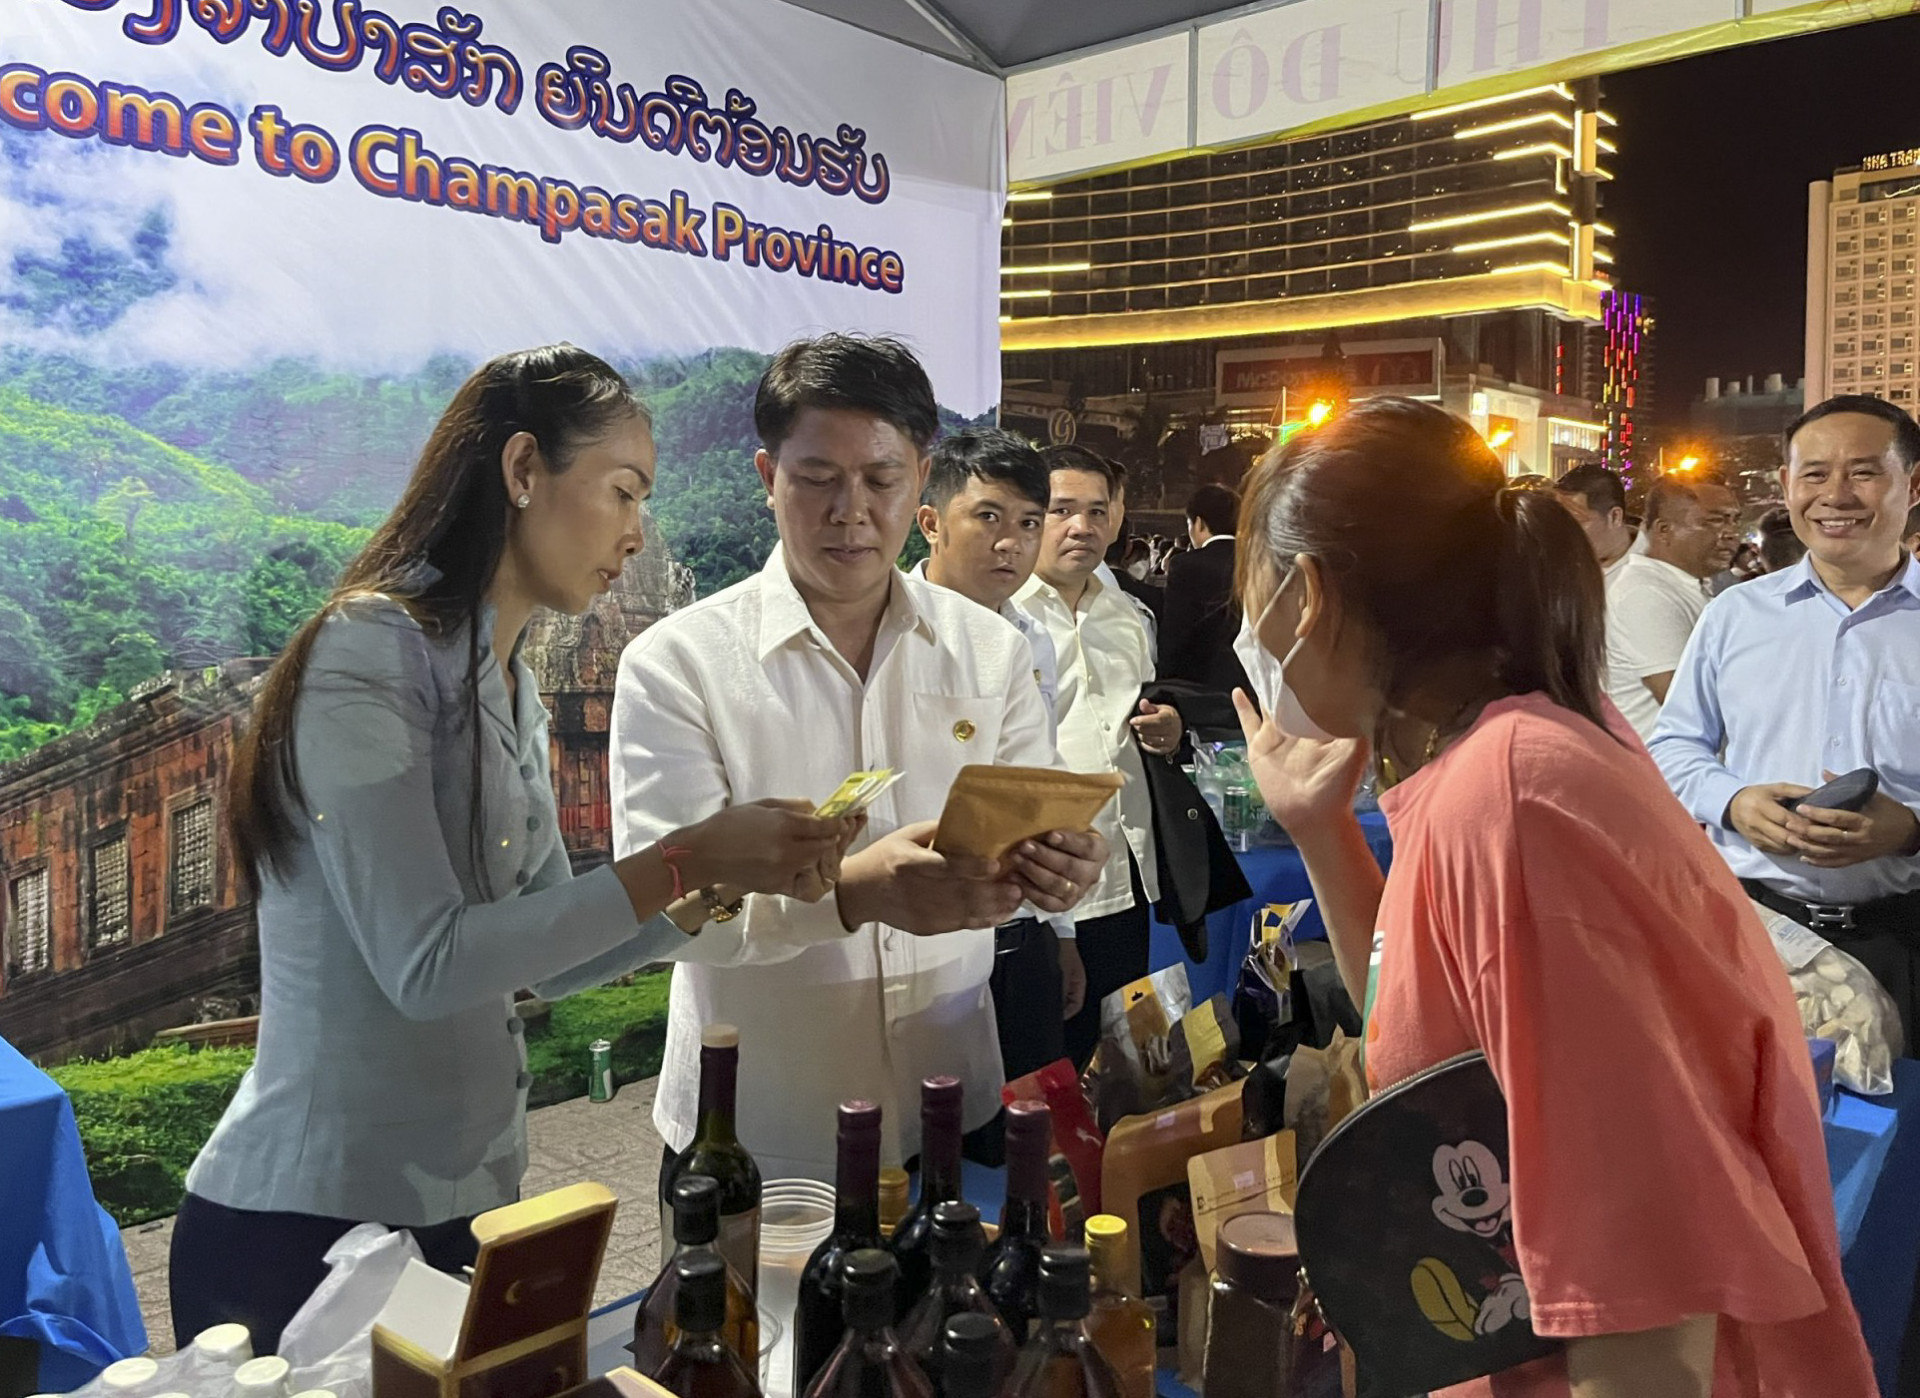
[(1278, 875), (64, 1281)]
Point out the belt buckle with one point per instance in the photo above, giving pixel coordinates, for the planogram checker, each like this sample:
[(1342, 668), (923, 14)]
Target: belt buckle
[(1830, 917)]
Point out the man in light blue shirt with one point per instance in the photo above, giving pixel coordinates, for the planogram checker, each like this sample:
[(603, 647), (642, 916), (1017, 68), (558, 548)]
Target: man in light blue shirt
[(1811, 672)]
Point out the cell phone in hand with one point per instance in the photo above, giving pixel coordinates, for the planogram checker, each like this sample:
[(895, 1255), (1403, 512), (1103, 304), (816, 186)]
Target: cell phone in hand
[(1848, 793)]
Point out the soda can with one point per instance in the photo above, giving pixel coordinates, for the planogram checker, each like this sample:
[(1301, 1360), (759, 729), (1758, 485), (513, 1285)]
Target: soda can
[(600, 1076)]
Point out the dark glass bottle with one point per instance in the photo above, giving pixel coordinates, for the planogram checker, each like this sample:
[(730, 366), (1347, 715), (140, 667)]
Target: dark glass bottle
[(1010, 1271), (868, 1362), (696, 1230), (956, 1246), (1060, 1361), (940, 1100), (701, 1364), (974, 1346), (817, 1321), (716, 1152)]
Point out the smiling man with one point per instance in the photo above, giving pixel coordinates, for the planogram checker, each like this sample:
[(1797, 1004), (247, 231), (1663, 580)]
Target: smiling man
[(828, 661), (1816, 671)]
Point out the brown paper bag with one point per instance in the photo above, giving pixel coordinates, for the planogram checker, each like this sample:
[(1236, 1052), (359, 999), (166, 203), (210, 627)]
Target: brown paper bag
[(991, 809), (1252, 1177)]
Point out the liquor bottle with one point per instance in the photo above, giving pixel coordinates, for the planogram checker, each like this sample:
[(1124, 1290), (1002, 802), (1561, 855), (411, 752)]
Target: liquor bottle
[(817, 1322), (696, 1230), (895, 1190), (1059, 1361), (1120, 1324), (956, 1247), (701, 1363), (974, 1345), (1010, 1271), (940, 1100), (716, 1152), (868, 1362)]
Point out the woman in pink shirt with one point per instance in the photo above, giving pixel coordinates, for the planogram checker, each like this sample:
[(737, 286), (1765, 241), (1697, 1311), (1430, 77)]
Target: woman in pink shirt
[(1550, 904)]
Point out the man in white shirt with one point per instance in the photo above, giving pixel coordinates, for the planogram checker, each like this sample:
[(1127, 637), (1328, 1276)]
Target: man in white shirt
[(1147, 598), (1597, 500), (1657, 599), (1104, 660), (982, 513), (828, 661)]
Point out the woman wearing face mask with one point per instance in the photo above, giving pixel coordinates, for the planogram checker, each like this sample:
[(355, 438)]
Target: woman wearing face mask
[(391, 804), (1550, 904)]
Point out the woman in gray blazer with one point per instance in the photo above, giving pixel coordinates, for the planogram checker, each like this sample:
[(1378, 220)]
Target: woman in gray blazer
[(391, 804)]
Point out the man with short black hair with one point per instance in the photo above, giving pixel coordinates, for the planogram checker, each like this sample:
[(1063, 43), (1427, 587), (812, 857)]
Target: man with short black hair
[(831, 660), (1595, 497), (1780, 547), (1146, 598), (1201, 615), (1104, 722), (1657, 597), (982, 513), (1816, 671)]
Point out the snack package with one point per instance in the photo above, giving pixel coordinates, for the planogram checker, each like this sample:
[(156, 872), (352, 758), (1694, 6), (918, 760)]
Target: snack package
[(989, 810), (1839, 1001), (1262, 997), (1251, 1177), (1077, 1144), (1323, 1087), (1132, 1071), (1204, 1049), (1143, 1180)]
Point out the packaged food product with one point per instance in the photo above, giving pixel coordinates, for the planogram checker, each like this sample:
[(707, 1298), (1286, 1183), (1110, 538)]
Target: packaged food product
[(1839, 1001)]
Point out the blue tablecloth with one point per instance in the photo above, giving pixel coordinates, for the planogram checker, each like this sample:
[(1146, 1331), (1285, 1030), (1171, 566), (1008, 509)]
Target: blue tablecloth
[(1277, 875), (1873, 1153), (64, 1279)]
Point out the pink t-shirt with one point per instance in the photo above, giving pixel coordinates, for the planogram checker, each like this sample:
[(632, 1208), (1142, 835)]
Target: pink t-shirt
[(1553, 905)]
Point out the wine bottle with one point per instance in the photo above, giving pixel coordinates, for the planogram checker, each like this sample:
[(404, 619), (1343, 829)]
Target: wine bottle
[(868, 1362), (701, 1363), (974, 1344), (716, 1152), (1119, 1323), (940, 1102), (817, 1321), (956, 1246), (696, 1231), (1059, 1361), (1010, 1271)]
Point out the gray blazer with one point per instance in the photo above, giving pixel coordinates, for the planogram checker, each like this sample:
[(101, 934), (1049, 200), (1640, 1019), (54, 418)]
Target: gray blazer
[(390, 1083)]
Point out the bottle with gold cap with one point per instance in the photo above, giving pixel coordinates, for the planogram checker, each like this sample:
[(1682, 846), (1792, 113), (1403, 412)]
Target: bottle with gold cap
[(1120, 1323), (716, 1152)]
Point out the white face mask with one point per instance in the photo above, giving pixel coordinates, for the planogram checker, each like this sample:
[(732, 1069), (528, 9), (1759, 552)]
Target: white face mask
[(1269, 680)]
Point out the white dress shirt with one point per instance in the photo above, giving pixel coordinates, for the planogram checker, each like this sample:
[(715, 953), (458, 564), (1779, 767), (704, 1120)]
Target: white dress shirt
[(741, 696), (1046, 664), (1104, 660), (1652, 608), (1787, 682)]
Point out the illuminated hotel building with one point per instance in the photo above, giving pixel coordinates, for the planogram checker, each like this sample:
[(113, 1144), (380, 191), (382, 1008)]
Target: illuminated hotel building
[(1861, 228), (1471, 230)]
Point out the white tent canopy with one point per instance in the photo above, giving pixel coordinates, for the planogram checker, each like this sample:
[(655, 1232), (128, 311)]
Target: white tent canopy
[(1095, 84)]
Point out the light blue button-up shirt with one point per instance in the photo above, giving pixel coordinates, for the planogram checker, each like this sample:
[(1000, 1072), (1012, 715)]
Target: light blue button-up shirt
[(1782, 682)]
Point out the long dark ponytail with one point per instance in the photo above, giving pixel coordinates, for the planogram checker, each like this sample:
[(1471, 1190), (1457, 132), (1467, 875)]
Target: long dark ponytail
[(1440, 556), (436, 555)]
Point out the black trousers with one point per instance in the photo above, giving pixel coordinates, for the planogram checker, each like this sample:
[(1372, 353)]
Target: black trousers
[(1115, 950), (1027, 996), (258, 1269)]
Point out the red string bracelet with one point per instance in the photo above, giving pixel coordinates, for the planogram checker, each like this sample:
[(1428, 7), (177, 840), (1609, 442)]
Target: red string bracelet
[(669, 855)]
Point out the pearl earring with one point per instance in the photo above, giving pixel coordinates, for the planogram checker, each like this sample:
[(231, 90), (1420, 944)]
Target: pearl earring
[(524, 501)]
